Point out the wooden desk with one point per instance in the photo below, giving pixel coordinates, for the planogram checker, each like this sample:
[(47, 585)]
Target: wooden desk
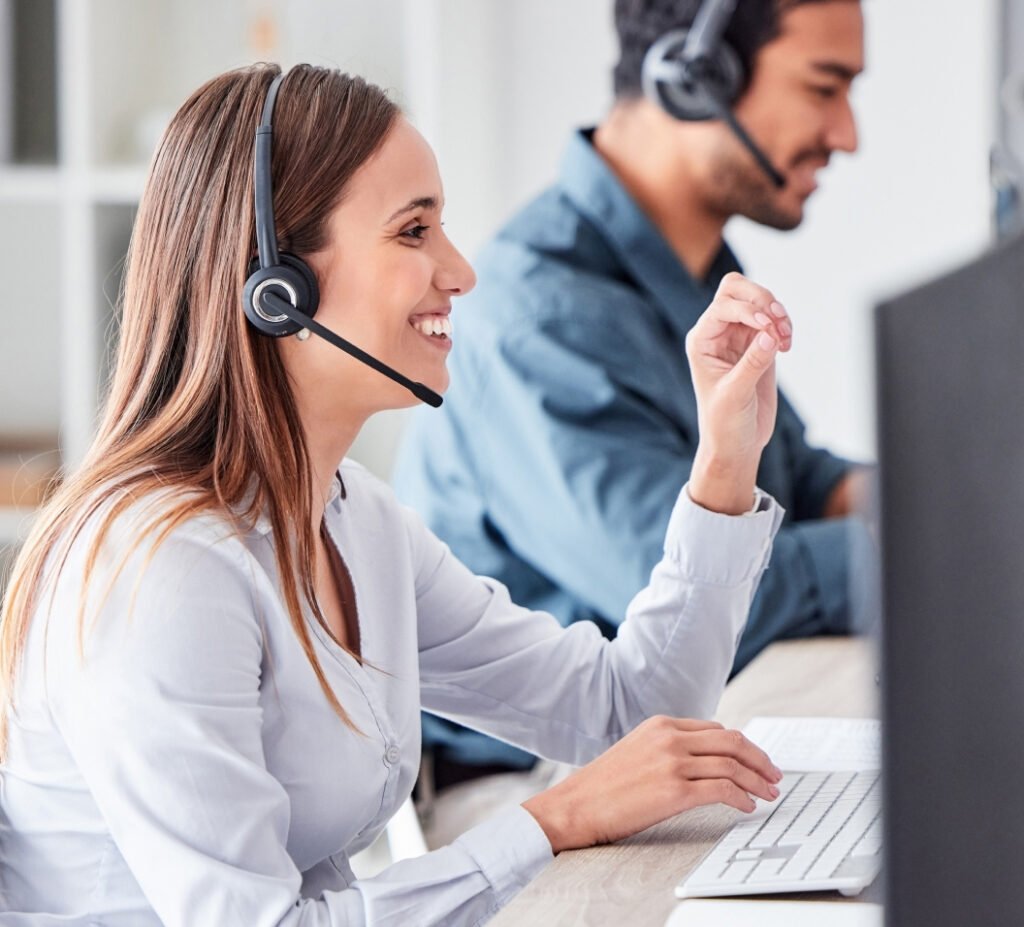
[(631, 883)]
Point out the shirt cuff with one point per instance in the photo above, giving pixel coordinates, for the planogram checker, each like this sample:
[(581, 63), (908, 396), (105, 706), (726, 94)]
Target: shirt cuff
[(726, 550), (762, 502), (510, 848)]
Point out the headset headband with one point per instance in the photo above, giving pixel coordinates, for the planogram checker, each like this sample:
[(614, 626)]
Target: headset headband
[(266, 235)]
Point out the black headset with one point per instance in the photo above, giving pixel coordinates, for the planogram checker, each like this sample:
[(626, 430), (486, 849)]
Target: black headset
[(274, 273), (281, 296), (694, 74)]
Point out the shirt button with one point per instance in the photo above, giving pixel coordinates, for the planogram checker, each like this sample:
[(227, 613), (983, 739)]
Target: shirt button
[(392, 755)]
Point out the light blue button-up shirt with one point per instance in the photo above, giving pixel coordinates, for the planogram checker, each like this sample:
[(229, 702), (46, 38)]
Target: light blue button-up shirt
[(189, 771)]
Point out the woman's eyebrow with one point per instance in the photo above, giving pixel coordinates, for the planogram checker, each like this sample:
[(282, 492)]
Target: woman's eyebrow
[(421, 202)]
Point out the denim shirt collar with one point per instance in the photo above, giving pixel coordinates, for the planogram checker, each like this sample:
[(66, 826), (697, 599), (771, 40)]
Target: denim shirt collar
[(595, 191)]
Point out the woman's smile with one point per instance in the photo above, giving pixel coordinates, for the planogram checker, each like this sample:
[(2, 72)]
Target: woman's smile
[(435, 327)]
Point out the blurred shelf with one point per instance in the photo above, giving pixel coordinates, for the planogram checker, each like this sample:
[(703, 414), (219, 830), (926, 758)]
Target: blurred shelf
[(107, 185), (117, 185), (29, 184), (28, 465), (15, 522), (27, 469)]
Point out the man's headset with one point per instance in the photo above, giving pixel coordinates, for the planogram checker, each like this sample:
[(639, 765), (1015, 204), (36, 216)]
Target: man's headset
[(281, 295), (693, 74)]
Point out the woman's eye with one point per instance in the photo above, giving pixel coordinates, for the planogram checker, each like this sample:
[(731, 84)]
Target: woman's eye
[(416, 231)]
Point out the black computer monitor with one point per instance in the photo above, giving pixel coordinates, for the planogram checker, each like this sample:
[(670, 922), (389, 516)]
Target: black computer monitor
[(950, 392)]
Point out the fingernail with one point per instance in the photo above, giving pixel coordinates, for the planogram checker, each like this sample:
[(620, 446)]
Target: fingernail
[(785, 328), (765, 341), (778, 773), (773, 791), (762, 319), (777, 309)]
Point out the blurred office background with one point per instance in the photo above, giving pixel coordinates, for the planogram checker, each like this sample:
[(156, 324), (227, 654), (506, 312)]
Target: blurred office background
[(86, 86)]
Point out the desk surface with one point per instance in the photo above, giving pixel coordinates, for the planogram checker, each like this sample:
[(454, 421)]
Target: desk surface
[(632, 881)]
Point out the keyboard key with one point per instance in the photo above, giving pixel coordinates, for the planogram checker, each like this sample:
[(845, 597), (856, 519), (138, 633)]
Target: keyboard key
[(803, 859), (859, 867), (871, 843), (767, 870), (737, 872)]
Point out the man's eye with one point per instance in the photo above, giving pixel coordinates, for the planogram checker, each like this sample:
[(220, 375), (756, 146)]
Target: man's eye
[(824, 92), (416, 231)]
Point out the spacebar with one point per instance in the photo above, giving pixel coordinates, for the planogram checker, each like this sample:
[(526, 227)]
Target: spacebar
[(737, 872)]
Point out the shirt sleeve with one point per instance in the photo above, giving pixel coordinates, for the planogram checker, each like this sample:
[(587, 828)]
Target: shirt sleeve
[(161, 715), (472, 879), (568, 693)]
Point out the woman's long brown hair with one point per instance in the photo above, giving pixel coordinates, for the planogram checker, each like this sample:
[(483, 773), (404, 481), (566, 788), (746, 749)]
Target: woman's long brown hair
[(199, 403)]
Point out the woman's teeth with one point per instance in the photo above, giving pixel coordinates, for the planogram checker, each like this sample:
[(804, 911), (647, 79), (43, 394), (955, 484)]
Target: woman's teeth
[(435, 325)]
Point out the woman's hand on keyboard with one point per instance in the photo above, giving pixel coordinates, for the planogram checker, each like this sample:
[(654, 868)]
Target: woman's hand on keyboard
[(664, 766), (732, 351)]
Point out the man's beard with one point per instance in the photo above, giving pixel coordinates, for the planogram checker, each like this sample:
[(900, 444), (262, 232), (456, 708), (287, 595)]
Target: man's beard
[(741, 188)]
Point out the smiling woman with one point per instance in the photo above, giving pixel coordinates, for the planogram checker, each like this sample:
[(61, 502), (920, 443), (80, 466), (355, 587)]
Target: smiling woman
[(387, 276), (218, 639)]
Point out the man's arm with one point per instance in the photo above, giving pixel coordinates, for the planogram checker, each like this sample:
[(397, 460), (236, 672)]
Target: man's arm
[(823, 567), (581, 474)]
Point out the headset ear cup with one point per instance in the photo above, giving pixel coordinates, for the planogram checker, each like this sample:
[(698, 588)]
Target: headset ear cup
[(290, 279), (686, 92), (310, 301)]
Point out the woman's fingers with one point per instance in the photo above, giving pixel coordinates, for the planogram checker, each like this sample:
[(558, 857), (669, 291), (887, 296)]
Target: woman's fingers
[(724, 314), (736, 285), (695, 724), (710, 791), (733, 743), (740, 301), (664, 766), (754, 363), (728, 754), (728, 769), (737, 288)]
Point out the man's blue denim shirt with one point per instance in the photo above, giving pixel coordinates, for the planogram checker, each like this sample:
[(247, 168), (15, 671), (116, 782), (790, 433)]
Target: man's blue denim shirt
[(571, 423)]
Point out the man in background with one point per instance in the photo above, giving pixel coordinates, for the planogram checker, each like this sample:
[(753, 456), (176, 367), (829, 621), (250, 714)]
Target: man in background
[(571, 422)]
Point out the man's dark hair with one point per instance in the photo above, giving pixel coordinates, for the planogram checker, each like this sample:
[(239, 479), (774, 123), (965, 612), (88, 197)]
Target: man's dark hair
[(639, 23)]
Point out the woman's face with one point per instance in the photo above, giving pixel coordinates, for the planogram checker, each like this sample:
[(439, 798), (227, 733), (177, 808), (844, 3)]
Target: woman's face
[(387, 277)]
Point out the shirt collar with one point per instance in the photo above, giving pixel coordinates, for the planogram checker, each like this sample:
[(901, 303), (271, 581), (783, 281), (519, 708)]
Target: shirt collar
[(597, 193), (262, 525)]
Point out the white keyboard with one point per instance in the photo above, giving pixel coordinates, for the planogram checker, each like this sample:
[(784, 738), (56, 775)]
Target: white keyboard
[(823, 832)]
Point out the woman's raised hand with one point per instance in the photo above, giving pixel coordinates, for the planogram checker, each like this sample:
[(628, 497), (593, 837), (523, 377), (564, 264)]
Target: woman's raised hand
[(662, 767), (732, 352)]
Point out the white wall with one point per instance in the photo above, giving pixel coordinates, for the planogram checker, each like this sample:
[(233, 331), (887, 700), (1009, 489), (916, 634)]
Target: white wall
[(497, 86), (503, 83)]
